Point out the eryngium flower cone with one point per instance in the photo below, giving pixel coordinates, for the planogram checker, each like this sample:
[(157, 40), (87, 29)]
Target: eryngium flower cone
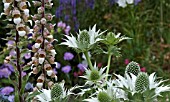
[(142, 82), (133, 68), (104, 97), (56, 91)]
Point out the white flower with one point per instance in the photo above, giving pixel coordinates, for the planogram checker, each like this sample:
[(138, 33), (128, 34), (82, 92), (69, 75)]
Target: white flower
[(45, 96), (53, 52), (123, 3), (49, 72), (26, 12), (17, 20), (41, 60), (6, 5), (22, 33), (37, 45), (39, 85)]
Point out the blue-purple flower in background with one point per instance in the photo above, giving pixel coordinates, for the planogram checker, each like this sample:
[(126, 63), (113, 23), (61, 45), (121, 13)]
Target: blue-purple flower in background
[(82, 66), (7, 90), (66, 69), (6, 70), (68, 56), (137, 1), (29, 86)]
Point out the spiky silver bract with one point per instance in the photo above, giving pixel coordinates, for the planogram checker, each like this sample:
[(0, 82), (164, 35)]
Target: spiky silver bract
[(85, 39), (94, 76)]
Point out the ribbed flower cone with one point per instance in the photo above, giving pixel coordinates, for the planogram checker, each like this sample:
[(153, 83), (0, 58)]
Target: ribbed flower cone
[(104, 97), (133, 68), (94, 75), (84, 37), (56, 91), (142, 82)]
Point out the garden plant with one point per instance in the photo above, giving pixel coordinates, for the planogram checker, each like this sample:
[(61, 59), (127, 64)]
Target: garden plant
[(63, 56)]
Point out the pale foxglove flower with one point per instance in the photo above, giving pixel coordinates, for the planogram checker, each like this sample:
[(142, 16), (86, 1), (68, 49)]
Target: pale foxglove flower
[(26, 12), (22, 33), (41, 60), (53, 52), (6, 5), (39, 85), (49, 72), (37, 45), (17, 20), (84, 41)]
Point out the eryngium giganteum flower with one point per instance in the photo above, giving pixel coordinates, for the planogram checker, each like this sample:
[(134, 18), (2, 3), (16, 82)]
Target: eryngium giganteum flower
[(85, 39)]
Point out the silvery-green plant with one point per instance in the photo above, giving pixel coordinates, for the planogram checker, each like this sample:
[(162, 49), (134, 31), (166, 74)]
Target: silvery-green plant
[(94, 76), (133, 68), (58, 93), (142, 82)]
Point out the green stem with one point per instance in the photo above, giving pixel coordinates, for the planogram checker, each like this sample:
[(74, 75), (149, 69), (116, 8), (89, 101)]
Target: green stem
[(88, 60), (108, 65)]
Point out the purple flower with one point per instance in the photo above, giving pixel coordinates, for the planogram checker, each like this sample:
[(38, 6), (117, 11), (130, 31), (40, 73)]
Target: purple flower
[(82, 66), (10, 43), (11, 98), (68, 56), (7, 90), (66, 69), (61, 25), (27, 55), (67, 30), (136, 2), (12, 53), (6, 70), (23, 74), (29, 86)]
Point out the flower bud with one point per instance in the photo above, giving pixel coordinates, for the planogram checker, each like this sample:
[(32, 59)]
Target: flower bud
[(43, 21), (23, 5), (40, 10)]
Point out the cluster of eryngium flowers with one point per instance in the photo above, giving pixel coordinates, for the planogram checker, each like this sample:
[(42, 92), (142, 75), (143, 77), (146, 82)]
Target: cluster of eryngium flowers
[(44, 53), (135, 86)]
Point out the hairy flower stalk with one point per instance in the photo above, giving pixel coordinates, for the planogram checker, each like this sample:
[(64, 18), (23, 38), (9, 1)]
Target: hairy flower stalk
[(16, 11), (44, 53)]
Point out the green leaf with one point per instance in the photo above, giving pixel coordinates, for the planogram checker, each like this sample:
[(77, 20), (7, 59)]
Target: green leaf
[(31, 96)]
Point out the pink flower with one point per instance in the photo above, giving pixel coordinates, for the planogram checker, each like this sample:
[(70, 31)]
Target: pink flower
[(99, 64), (75, 74), (143, 69), (126, 61)]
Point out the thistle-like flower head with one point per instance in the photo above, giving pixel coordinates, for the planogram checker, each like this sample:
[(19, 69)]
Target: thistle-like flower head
[(84, 41), (94, 75), (133, 68), (142, 82)]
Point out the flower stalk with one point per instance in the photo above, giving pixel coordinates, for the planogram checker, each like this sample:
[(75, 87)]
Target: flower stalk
[(88, 60), (108, 65)]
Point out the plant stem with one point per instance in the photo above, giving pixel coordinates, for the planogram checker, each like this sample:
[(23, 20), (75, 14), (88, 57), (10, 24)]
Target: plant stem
[(18, 63), (88, 60), (108, 65), (43, 43)]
